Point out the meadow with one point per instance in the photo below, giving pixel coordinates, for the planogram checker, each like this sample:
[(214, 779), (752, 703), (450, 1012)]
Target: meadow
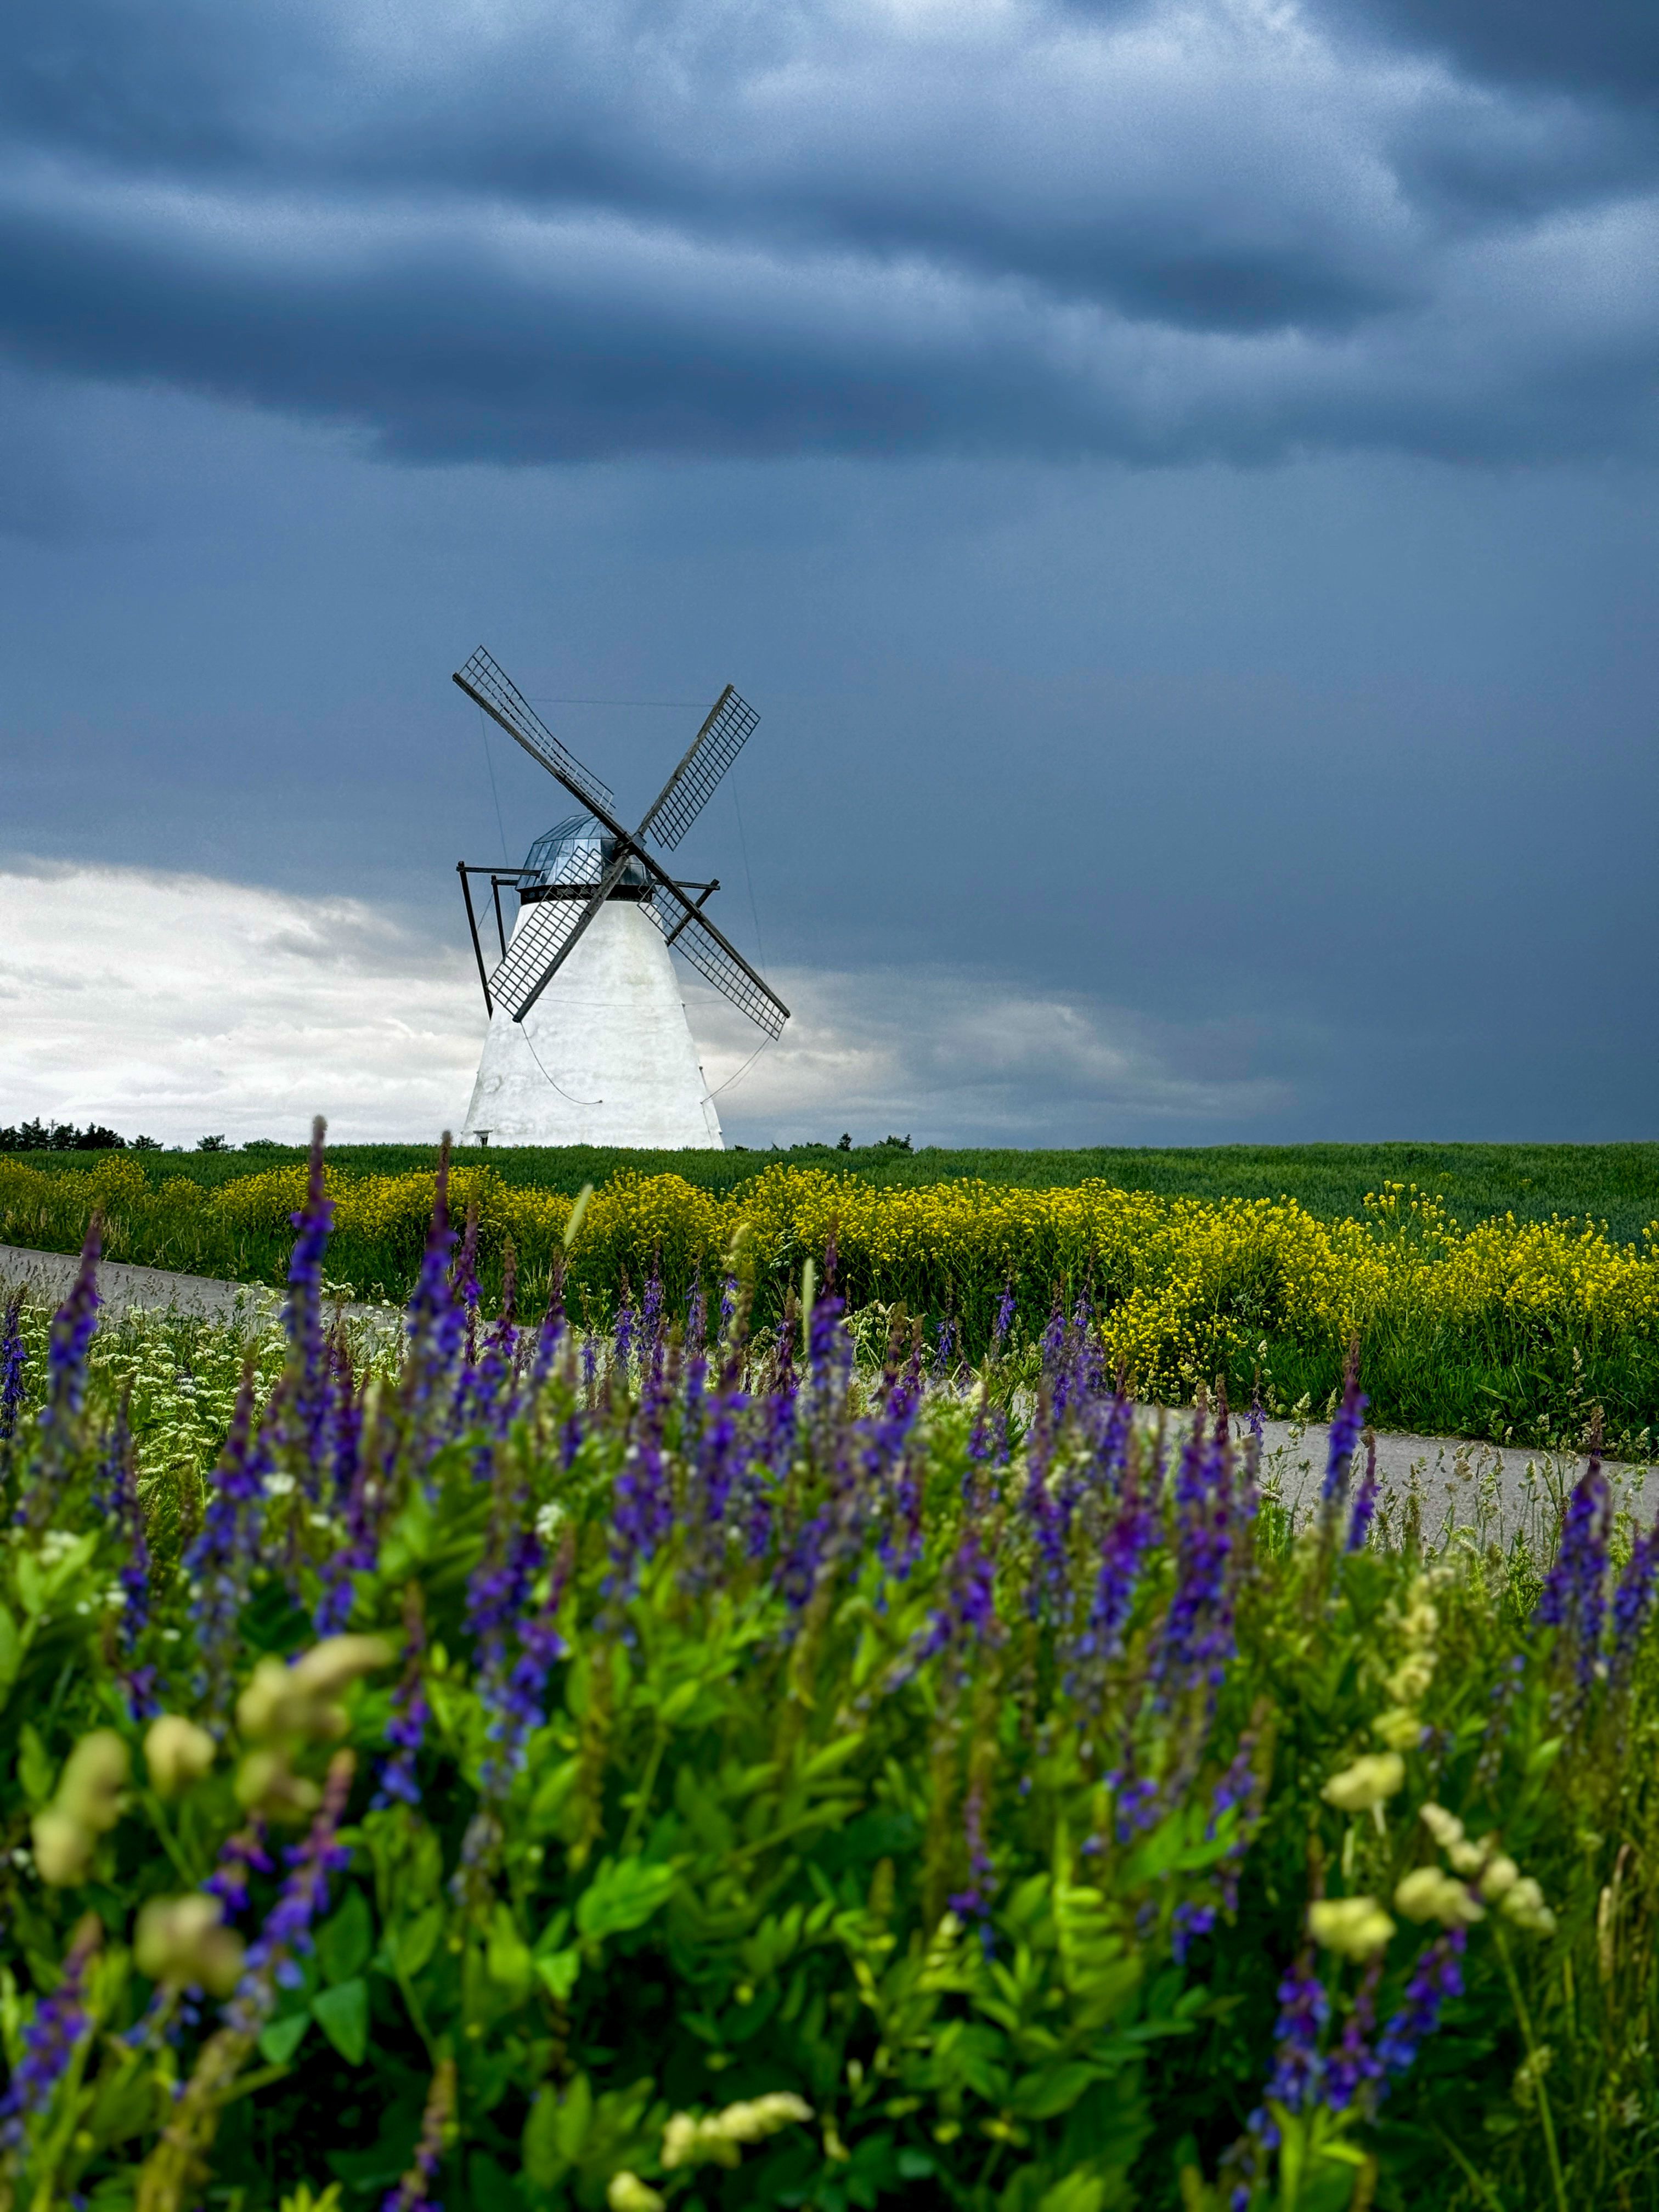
[(716, 1764), (1524, 1327), (1616, 1185)]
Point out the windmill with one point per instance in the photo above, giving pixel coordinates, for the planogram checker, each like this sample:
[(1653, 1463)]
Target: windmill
[(588, 1043)]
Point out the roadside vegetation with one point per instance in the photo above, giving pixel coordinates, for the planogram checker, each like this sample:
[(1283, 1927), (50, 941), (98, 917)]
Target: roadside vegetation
[(1500, 1326)]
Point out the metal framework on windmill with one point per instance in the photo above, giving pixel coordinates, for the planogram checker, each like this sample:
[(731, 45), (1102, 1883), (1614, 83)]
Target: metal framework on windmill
[(567, 899)]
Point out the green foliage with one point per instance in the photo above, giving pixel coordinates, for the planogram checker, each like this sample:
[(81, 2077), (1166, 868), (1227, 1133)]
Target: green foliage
[(719, 1868)]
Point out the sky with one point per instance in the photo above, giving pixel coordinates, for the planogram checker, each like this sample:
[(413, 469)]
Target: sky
[(1177, 480)]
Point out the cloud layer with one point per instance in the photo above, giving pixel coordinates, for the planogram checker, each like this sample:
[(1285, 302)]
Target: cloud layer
[(180, 1005), (1199, 227)]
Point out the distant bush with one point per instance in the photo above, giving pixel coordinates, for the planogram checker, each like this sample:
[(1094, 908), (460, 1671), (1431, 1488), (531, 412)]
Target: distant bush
[(61, 1137)]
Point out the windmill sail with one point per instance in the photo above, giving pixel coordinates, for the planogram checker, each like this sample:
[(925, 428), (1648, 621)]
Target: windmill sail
[(713, 751), (491, 686), (548, 931), (689, 931)]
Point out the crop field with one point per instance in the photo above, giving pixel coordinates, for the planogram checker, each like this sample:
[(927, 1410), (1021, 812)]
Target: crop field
[(1525, 1325), (1616, 1185), (709, 1765)]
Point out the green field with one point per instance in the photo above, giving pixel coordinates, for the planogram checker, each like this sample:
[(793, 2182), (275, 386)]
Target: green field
[(1618, 1184)]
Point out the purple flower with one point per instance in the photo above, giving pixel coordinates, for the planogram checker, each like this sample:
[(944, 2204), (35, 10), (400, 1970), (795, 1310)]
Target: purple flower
[(303, 1318), (414, 2192), (303, 1899), (1004, 1321), (1353, 2065), (1632, 1601), (1198, 1633), (1574, 1598), (464, 1286), (12, 1357), (1129, 1536), (242, 1853), (1345, 1433), (1364, 1503), (405, 1730), (220, 1559), (433, 1319), (974, 1903), (968, 1616), (72, 1331), (119, 1498), (49, 2041), (1438, 1975), (1303, 2008), (1190, 1922)]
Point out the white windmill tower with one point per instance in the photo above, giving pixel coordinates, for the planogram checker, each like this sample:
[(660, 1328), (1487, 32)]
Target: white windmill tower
[(588, 1043)]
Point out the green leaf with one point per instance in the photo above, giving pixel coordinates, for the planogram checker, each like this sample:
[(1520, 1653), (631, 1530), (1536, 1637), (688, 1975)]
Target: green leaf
[(624, 1893), (31, 1583), (415, 1943), (11, 1649), (34, 1769), (559, 1971), (283, 2038), (574, 2118), (1080, 2192), (1052, 2090), (506, 1958), (341, 2013), (345, 1941)]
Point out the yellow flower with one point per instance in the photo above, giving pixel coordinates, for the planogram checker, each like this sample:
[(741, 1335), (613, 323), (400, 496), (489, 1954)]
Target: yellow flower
[(1400, 1728), (1523, 1903), (627, 2193), (1445, 1827), (1368, 1783), (1353, 1926), (177, 1753), (1429, 1893), (182, 1941)]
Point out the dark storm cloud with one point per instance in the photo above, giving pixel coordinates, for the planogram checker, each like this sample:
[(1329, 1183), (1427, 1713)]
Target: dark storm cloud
[(546, 234), (1609, 47)]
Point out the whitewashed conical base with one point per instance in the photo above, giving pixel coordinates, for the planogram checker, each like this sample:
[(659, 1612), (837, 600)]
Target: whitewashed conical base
[(616, 1062)]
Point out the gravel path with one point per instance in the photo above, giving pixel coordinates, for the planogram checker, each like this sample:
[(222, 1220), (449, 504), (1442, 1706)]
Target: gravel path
[(1493, 1493)]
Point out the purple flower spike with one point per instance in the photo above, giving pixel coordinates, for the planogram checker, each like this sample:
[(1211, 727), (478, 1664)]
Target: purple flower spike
[(434, 1319), (1005, 1319), (1364, 1503), (49, 2041), (1632, 1602), (405, 1730), (1344, 1432), (414, 2192), (303, 1314), (1574, 1598), (72, 1331), (302, 1900), (1438, 1975), (1303, 2008), (11, 1366), (220, 1560)]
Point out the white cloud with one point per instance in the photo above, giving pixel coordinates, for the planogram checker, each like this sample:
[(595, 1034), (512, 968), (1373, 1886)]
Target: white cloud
[(180, 1005)]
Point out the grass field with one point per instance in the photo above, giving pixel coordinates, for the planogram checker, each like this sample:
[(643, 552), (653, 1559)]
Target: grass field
[(1614, 1184)]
